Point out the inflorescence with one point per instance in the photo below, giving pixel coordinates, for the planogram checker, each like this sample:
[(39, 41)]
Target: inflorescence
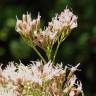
[(39, 79), (42, 77)]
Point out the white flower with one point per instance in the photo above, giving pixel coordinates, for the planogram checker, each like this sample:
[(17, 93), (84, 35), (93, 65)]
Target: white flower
[(63, 21), (68, 19), (28, 27), (9, 72), (50, 72), (38, 75), (72, 80), (72, 93), (7, 92), (79, 86)]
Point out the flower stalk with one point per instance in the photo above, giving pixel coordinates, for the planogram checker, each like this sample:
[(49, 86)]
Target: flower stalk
[(42, 58), (56, 51), (35, 49)]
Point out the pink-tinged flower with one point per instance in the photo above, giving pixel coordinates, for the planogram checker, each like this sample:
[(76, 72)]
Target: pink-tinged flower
[(65, 21), (72, 93), (28, 27), (22, 79), (68, 19), (7, 92), (45, 38)]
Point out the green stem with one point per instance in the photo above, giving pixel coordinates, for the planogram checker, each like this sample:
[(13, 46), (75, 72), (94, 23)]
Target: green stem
[(48, 52), (35, 49), (39, 54), (56, 51), (82, 93), (62, 38)]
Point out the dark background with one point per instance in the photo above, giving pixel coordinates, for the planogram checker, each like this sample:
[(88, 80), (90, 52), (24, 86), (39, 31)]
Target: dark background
[(80, 46)]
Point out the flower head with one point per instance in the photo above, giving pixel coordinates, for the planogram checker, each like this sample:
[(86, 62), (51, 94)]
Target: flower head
[(60, 26), (28, 27), (65, 21), (7, 92), (68, 19), (26, 80)]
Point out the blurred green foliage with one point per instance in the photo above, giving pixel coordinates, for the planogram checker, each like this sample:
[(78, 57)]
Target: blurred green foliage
[(80, 46), (21, 50)]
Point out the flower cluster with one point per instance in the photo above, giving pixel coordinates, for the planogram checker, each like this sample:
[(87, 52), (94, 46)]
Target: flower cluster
[(66, 20), (28, 27), (45, 77), (39, 79), (6, 91), (60, 25)]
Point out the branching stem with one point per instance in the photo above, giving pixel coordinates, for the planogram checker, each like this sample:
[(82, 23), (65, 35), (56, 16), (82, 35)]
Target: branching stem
[(35, 49)]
